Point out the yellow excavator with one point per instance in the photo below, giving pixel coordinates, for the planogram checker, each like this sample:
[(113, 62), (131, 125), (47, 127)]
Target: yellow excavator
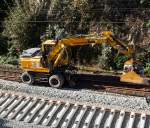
[(52, 60)]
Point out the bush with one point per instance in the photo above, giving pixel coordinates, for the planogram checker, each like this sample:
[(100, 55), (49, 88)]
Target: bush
[(9, 60), (20, 29), (119, 61), (147, 69), (104, 60), (3, 45)]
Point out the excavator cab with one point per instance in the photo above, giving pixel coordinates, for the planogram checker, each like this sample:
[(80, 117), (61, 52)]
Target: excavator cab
[(47, 48), (34, 59)]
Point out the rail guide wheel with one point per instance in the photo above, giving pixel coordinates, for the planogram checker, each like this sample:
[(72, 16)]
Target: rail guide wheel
[(27, 78), (56, 81)]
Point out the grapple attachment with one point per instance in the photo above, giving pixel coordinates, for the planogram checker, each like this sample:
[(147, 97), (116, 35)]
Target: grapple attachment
[(132, 77)]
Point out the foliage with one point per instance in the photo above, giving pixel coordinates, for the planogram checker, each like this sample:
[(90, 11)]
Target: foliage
[(90, 55), (55, 32), (147, 69), (69, 14), (148, 24), (119, 61), (104, 60), (9, 60), (3, 11), (144, 56), (19, 30), (23, 28), (3, 14), (20, 25), (3, 45)]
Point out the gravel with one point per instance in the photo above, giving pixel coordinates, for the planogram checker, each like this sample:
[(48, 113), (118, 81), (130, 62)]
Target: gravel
[(15, 124), (132, 103)]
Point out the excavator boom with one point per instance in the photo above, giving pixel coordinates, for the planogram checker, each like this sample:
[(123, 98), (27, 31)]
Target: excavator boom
[(104, 38)]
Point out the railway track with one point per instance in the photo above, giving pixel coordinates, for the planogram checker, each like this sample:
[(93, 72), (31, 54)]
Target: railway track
[(133, 91), (14, 73), (10, 73), (59, 114)]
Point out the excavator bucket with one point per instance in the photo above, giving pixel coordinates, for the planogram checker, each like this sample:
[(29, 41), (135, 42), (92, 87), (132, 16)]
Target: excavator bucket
[(132, 77)]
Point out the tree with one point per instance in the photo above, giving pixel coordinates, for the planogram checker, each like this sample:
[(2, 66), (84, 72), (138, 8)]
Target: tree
[(21, 25)]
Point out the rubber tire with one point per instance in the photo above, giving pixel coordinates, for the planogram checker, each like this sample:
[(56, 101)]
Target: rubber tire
[(60, 81), (31, 79)]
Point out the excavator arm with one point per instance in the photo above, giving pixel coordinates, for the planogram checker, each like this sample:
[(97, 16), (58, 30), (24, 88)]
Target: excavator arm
[(103, 38), (55, 56)]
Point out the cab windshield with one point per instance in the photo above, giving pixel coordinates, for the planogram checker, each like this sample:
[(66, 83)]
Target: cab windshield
[(32, 52)]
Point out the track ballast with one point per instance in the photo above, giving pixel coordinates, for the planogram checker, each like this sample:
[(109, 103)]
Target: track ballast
[(46, 112)]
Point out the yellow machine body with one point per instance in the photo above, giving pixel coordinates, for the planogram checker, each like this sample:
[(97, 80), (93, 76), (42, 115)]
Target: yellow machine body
[(57, 55), (33, 64), (132, 77)]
